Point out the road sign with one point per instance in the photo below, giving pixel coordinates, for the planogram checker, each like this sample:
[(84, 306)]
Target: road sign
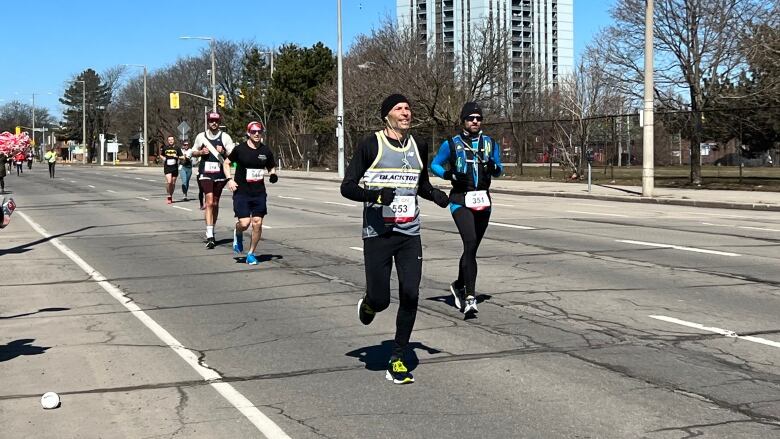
[(184, 128)]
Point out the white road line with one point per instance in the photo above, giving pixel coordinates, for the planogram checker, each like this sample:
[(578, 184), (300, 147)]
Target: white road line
[(724, 332), (153, 181), (239, 401), (289, 198), (138, 178), (511, 226), (678, 247), (109, 190), (360, 249), (93, 187), (503, 205), (182, 208), (597, 213), (142, 198), (339, 204), (73, 181), (696, 214), (764, 229)]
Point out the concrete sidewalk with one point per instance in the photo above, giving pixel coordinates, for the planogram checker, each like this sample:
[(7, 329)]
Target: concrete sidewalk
[(750, 200)]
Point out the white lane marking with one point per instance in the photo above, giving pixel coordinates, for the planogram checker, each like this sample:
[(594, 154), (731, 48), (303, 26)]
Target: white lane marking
[(601, 206), (73, 181), (764, 229), (138, 178), (289, 198), (239, 401), (93, 187), (677, 247), (267, 227), (695, 214), (724, 332), (511, 226), (142, 198), (182, 208), (339, 204), (109, 190), (503, 205), (597, 213), (360, 249), (153, 181)]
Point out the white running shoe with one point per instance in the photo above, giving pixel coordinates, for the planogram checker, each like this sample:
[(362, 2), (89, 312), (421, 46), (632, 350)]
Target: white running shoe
[(471, 305)]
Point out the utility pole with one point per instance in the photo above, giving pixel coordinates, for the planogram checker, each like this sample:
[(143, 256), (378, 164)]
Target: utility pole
[(648, 178), (340, 109)]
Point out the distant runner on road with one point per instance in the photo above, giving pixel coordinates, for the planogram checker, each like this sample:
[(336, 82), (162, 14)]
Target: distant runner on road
[(171, 155), (253, 159), (212, 146), (468, 161)]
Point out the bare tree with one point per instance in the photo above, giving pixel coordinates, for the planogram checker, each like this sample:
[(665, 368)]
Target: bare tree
[(698, 46)]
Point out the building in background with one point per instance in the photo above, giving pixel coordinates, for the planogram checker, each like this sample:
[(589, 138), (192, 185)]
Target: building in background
[(539, 33)]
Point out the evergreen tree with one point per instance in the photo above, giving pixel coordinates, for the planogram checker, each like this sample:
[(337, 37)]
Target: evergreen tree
[(97, 97)]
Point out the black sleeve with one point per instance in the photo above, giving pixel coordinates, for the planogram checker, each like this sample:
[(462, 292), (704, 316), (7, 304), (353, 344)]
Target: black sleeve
[(366, 152), (425, 189), (233, 156), (270, 160)]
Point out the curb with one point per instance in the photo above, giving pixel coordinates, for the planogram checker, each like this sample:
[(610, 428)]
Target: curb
[(659, 201)]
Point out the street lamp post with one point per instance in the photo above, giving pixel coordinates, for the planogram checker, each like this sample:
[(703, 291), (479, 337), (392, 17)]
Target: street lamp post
[(213, 69), (144, 147), (648, 180), (340, 109)]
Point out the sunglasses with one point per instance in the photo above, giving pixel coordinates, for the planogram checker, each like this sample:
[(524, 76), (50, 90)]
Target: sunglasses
[(214, 121), (474, 118), (255, 131)]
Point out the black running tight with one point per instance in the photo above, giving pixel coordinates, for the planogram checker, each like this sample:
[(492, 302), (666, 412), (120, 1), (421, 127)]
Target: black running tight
[(379, 253), (471, 226)]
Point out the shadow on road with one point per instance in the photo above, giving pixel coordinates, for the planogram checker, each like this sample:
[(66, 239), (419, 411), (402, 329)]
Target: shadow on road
[(24, 248), (376, 357), (34, 312), (260, 258), (20, 347)]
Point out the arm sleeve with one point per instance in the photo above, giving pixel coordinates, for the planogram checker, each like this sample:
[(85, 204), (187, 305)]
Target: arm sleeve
[(364, 156), (270, 161), (496, 156), (442, 158), (426, 189)]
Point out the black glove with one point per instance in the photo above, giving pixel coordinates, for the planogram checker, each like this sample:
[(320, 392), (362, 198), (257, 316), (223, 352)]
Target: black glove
[(383, 196), (490, 167), (447, 175), (440, 198), (273, 178)]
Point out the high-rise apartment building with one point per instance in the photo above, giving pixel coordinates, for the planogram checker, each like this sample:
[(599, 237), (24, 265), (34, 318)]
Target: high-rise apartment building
[(540, 33)]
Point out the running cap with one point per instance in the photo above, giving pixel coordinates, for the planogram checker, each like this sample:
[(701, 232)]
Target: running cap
[(213, 116), (390, 102), (468, 109), (255, 125)]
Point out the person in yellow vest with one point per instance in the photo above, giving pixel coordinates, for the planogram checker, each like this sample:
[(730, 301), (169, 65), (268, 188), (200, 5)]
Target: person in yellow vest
[(51, 159), (392, 167)]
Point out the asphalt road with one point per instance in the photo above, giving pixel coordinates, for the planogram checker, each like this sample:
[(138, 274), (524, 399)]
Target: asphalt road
[(587, 325)]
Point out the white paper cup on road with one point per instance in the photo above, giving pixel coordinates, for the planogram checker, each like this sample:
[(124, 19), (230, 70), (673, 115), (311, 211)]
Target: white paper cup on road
[(50, 400)]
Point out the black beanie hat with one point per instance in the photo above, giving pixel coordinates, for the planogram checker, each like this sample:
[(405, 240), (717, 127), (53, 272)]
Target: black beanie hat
[(390, 102), (468, 109)]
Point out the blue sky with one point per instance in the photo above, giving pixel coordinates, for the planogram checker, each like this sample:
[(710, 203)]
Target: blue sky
[(50, 41)]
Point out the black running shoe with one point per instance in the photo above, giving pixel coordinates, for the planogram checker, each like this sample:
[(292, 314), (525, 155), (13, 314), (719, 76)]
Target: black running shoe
[(398, 373), (365, 313), (459, 296), (211, 243), (471, 306)]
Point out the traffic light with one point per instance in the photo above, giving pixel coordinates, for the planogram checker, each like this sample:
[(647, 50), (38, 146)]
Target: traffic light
[(174, 101), (221, 101), (18, 130)]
